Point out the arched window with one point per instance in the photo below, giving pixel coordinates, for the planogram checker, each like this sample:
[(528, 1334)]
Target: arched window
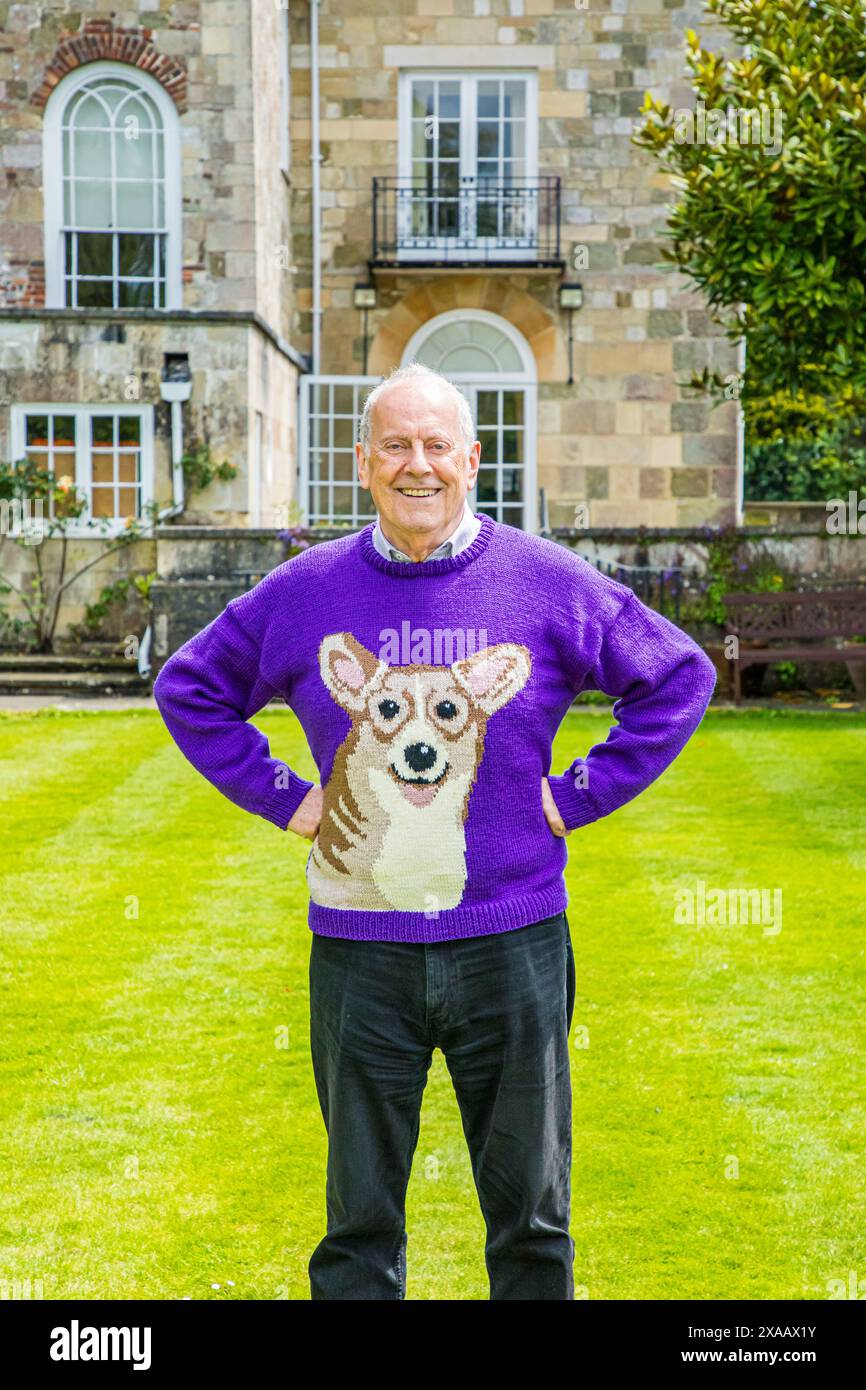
[(112, 191), (494, 367)]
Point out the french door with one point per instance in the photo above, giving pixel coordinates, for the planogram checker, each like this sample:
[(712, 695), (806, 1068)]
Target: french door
[(468, 166)]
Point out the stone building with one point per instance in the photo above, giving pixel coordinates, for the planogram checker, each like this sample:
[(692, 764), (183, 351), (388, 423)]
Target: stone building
[(221, 222)]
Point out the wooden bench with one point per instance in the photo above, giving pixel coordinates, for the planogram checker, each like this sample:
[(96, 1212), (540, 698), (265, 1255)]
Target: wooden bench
[(805, 626)]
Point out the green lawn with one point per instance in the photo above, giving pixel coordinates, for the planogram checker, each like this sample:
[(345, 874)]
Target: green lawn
[(158, 1135)]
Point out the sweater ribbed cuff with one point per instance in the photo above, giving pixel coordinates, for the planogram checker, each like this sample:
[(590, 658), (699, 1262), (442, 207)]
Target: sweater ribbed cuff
[(574, 804), (283, 802)]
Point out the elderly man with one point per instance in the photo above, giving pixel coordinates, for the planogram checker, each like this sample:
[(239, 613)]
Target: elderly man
[(431, 658)]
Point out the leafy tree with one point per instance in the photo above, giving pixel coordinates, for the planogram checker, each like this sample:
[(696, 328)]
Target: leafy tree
[(773, 231)]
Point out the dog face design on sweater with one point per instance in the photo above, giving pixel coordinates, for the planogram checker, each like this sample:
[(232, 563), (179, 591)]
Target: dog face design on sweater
[(394, 808)]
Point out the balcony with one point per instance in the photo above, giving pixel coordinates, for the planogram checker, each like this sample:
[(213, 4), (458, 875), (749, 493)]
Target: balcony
[(467, 222)]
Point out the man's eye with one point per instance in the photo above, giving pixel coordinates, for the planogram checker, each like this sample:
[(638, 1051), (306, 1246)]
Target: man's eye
[(446, 709), (388, 708)]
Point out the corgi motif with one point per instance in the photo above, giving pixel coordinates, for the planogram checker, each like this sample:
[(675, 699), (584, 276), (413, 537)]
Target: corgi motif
[(395, 805)]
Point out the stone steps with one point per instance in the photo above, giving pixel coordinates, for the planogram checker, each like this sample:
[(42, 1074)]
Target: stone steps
[(34, 674)]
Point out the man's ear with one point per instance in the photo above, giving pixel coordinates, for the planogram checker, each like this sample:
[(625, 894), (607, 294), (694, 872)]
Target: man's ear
[(494, 676), (349, 671)]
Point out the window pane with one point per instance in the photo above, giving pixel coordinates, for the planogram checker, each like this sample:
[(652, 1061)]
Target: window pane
[(135, 255), (91, 153), (89, 111), (102, 468), (344, 433), (488, 140), (514, 100), (449, 140), (486, 485), (421, 144), (94, 294), (36, 429), (127, 501), (102, 503), (512, 407), (64, 429), (449, 179), (129, 429), (135, 205), (422, 99), (135, 156), (102, 429), (136, 294), (134, 115), (449, 100), (343, 503), (344, 466), (94, 253), (512, 489), (511, 446), (344, 400), (91, 203)]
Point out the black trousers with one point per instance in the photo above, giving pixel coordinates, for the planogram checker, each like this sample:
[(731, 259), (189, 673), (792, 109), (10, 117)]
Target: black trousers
[(500, 1008)]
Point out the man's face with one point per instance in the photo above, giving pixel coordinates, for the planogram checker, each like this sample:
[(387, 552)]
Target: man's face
[(418, 466)]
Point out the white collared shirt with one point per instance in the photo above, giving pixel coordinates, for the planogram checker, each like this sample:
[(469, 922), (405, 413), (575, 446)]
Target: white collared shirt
[(463, 535)]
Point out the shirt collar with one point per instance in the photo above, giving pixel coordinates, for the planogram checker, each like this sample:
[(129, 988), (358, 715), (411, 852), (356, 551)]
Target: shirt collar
[(462, 536)]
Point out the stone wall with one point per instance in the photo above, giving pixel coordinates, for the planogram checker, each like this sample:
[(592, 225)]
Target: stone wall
[(202, 55), (18, 565)]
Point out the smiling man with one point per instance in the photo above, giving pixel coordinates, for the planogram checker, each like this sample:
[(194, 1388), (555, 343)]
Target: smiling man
[(437, 896)]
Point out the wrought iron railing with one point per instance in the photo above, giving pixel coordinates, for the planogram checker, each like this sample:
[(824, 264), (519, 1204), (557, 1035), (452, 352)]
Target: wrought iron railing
[(469, 220)]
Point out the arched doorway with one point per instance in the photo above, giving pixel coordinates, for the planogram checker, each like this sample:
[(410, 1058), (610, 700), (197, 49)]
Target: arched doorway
[(492, 364)]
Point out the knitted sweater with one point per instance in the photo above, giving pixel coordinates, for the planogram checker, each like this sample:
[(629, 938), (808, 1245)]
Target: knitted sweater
[(430, 695)]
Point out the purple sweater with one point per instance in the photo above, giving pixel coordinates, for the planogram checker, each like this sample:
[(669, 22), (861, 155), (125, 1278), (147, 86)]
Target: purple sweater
[(430, 695)]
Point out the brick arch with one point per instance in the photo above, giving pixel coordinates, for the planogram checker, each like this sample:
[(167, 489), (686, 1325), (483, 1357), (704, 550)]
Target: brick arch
[(98, 39), (416, 308)]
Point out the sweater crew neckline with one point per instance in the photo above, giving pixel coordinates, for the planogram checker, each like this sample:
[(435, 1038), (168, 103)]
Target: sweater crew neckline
[(427, 569)]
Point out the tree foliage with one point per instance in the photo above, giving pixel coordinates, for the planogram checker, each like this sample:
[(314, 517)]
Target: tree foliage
[(775, 233)]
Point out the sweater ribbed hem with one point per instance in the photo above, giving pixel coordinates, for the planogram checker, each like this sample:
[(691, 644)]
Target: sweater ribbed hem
[(484, 919), (574, 804), (427, 569), (283, 802)]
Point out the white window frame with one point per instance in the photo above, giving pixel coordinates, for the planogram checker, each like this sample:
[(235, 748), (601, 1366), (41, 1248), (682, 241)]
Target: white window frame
[(86, 526), (468, 163), (525, 380), (52, 177), (307, 384)]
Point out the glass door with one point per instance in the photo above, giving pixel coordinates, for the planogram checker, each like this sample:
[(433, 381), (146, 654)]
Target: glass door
[(500, 414), (466, 189)]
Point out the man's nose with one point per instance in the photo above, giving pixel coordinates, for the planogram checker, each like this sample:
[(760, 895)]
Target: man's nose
[(417, 462)]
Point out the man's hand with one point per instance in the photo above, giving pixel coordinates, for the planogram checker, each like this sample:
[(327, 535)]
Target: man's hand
[(308, 817), (554, 820)]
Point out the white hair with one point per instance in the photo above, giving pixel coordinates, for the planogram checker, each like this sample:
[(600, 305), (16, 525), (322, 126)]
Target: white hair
[(416, 371)]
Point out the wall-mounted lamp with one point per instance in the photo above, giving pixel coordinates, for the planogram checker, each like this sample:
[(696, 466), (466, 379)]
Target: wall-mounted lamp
[(364, 298), (570, 298), (176, 387)]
